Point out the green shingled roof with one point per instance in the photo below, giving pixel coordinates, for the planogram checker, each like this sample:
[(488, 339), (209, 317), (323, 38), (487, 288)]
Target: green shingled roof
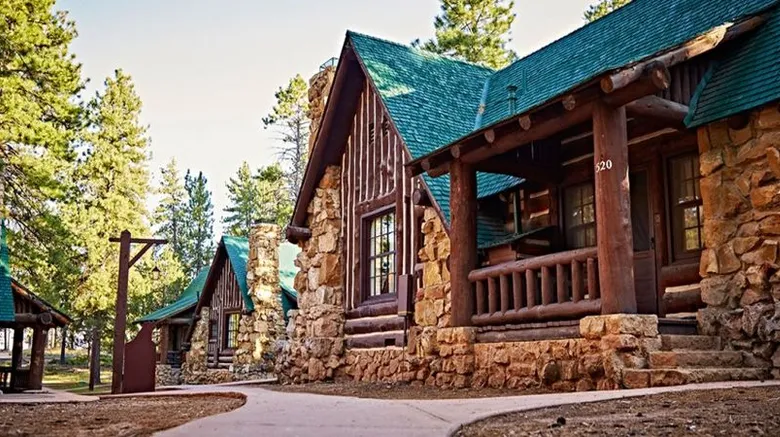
[(186, 301), (237, 249), (7, 313), (435, 101), (747, 77)]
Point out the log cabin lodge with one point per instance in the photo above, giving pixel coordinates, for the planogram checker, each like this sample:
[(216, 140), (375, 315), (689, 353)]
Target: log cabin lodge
[(602, 213)]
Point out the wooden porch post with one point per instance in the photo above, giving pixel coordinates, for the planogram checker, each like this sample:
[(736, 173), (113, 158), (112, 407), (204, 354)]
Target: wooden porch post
[(164, 339), (613, 210), (37, 358), (463, 238), (16, 355)]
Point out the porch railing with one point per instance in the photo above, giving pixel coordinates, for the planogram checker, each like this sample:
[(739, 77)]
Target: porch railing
[(559, 286)]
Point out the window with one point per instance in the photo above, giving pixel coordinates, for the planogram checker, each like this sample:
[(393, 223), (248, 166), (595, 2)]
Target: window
[(213, 332), (380, 260), (231, 330), (580, 216), (686, 205)]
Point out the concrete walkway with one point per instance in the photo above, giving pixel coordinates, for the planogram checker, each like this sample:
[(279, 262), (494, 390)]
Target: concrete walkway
[(296, 414), (45, 396)]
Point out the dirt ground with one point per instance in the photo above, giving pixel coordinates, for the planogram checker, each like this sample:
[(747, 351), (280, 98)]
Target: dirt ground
[(732, 412), (134, 416), (396, 391)]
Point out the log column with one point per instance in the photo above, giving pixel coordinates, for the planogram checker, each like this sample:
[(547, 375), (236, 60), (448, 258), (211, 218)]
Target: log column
[(16, 355), (165, 331), (613, 210), (463, 238), (37, 358)]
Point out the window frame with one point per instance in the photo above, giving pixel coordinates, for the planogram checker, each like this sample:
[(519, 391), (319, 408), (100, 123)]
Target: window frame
[(226, 315), (676, 253), (365, 256), (565, 218)]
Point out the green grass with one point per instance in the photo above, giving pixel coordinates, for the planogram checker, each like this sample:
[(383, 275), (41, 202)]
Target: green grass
[(74, 376)]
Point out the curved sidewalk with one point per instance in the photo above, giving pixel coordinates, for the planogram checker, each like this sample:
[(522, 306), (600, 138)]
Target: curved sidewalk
[(280, 414)]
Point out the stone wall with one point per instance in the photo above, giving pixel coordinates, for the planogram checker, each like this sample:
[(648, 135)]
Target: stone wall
[(316, 331), (740, 189), (259, 330), (319, 89), (195, 369), (166, 375)]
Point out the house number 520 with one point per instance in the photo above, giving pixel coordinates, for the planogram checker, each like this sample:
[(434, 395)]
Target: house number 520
[(603, 165)]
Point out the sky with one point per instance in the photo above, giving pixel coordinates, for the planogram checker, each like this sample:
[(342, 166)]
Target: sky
[(207, 70)]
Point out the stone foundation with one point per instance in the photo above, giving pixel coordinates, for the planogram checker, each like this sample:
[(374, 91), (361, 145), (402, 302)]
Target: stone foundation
[(316, 331), (195, 363), (165, 375), (740, 189)]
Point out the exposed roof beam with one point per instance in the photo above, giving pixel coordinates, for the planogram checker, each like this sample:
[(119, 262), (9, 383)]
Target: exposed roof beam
[(297, 233), (659, 109), (688, 50)]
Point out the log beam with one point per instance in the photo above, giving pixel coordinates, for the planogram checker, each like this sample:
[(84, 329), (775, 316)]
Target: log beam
[(295, 234), (533, 171), (35, 378), (657, 108), (368, 325), (613, 210), (655, 77), (463, 235), (688, 50), (420, 197)]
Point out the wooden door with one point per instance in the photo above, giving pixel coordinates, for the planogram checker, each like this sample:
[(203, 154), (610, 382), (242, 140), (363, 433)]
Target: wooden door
[(644, 243)]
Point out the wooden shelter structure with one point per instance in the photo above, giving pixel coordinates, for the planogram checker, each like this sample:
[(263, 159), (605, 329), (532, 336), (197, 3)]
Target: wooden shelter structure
[(21, 310)]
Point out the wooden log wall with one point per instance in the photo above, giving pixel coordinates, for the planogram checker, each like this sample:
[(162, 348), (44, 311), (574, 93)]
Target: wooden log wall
[(225, 298), (373, 177)]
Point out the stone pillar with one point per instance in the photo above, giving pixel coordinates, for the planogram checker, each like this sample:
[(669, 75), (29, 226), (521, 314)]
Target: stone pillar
[(319, 90), (740, 267), (260, 330), (316, 346), (195, 365)]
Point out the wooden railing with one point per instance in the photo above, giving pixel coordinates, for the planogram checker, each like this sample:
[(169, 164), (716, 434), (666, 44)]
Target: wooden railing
[(559, 286)]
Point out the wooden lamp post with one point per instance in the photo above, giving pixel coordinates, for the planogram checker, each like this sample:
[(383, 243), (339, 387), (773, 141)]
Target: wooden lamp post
[(125, 262)]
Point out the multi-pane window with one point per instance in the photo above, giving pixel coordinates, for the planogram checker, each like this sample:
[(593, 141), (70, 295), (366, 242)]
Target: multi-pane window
[(231, 330), (381, 255), (580, 219), (686, 205)]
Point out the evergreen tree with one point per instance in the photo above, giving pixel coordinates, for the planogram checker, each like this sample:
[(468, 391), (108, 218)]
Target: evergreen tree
[(39, 83), (475, 31), (112, 184), (290, 118), (602, 8), (170, 212), (199, 225), (261, 198)]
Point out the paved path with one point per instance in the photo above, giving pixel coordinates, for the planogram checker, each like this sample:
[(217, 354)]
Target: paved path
[(45, 396), (270, 413)]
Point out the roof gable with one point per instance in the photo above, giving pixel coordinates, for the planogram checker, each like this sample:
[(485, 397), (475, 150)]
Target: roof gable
[(237, 249), (746, 78)]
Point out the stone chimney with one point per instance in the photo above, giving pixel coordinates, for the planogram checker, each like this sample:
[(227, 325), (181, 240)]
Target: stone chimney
[(319, 89)]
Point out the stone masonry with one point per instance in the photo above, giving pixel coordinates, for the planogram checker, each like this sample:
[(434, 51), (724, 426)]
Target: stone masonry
[(316, 331), (740, 189), (319, 89), (259, 330), (194, 369)]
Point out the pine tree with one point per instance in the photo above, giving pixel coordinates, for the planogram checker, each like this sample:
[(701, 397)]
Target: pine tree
[(602, 8), (256, 199), (112, 184), (39, 82), (290, 118), (199, 225), (475, 31), (274, 206), (170, 212)]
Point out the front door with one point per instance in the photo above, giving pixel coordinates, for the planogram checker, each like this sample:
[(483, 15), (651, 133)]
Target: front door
[(644, 243)]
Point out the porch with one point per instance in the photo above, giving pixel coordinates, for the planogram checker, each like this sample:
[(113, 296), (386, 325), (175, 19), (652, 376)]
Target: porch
[(608, 218)]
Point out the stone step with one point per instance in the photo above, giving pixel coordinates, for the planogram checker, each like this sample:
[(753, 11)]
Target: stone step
[(690, 342), (642, 378), (694, 358)]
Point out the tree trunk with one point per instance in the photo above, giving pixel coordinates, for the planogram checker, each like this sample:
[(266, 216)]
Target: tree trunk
[(62, 344), (94, 365)]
